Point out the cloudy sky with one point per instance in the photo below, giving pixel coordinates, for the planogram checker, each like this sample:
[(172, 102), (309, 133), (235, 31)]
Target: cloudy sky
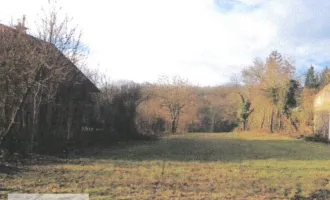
[(205, 41)]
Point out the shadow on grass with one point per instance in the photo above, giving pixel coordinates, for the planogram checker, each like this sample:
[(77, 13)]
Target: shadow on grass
[(321, 194), (64, 155), (10, 170), (200, 148), (216, 149)]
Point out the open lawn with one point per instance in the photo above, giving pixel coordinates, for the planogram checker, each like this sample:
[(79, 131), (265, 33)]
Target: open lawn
[(192, 166)]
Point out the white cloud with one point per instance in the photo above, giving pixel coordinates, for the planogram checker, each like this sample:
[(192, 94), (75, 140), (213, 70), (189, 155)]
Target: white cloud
[(197, 39)]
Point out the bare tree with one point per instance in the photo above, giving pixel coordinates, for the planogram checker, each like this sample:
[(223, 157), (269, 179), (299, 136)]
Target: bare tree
[(41, 64), (254, 73), (57, 28), (176, 95), (20, 67)]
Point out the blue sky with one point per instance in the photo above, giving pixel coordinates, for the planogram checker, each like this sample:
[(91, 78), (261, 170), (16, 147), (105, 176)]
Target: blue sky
[(205, 41)]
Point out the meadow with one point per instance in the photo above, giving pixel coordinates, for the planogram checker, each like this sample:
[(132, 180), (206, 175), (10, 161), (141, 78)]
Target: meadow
[(191, 166)]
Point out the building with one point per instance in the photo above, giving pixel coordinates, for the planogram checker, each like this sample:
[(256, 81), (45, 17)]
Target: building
[(49, 99), (322, 112)]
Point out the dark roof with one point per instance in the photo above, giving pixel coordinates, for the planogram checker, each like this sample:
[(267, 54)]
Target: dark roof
[(79, 76)]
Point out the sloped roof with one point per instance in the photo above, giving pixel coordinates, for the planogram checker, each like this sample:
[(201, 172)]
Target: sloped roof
[(79, 76)]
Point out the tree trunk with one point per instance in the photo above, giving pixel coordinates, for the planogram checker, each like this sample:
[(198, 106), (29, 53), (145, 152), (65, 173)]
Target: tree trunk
[(212, 122), (14, 116), (271, 124), (49, 115), (35, 115), (263, 121), (174, 126), (69, 121), (279, 121), (18, 109)]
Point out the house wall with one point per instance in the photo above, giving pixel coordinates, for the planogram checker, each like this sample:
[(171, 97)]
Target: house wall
[(321, 121)]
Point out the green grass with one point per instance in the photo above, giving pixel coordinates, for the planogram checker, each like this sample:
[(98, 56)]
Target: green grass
[(192, 166)]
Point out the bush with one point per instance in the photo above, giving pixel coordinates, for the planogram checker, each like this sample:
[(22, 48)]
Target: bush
[(317, 138)]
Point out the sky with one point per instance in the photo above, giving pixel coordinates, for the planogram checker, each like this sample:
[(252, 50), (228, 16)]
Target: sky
[(205, 41)]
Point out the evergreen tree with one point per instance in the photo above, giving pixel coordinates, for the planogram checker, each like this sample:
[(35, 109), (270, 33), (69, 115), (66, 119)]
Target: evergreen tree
[(311, 78), (325, 77), (290, 98), (290, 101), (278, 73), (245, 111)]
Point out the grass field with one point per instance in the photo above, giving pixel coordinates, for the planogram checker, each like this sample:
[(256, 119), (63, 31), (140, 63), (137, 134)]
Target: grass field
[(192, 166)]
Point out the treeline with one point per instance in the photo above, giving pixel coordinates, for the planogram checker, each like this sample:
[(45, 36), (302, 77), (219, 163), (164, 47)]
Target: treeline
[(268, 96), (172, 105), (275, 100)]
